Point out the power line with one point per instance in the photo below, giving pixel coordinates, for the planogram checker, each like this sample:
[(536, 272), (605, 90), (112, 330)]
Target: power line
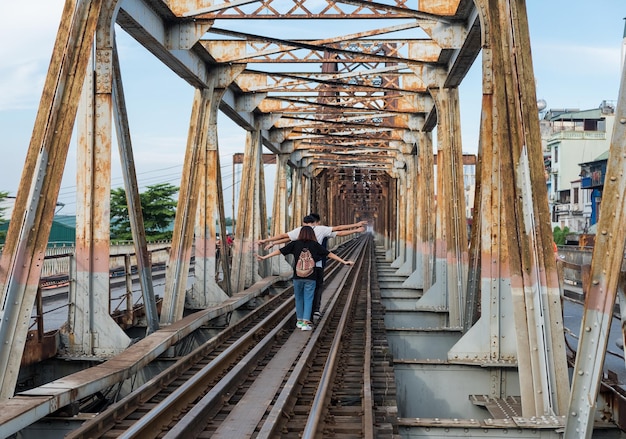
[(67, 194)]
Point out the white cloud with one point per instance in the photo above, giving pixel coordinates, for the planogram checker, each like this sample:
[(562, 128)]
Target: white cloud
[(575, 64), (21, 85), (28, 39)]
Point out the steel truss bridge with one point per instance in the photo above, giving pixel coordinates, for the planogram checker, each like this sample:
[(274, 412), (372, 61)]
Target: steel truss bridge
[(349, 117)]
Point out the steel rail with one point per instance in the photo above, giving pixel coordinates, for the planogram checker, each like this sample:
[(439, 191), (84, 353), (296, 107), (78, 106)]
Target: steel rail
[(288, 395), (120, 410), (193, 422), (195, 419), (325, 384), (367, 403), (177, 401)]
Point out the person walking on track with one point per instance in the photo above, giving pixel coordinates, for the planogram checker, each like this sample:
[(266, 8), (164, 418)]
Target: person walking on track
[(303, 283)]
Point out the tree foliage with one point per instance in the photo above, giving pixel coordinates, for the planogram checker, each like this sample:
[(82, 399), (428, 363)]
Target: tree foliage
[(3, 197), (560, 235), (158, 207)]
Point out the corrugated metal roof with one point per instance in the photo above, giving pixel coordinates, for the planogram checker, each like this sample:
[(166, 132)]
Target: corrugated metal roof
[(594, 113), (66, 220), (603, 156)]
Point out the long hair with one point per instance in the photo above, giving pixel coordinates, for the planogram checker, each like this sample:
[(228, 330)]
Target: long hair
[(307, 234)]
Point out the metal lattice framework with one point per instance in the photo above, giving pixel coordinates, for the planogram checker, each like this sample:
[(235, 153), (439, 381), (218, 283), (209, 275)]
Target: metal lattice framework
[(346, 94)]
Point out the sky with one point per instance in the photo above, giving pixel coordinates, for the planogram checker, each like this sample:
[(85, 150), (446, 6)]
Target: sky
[(576, 47)]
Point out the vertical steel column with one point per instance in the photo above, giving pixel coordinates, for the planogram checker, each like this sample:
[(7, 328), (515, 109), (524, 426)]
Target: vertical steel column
[(306, 194), (473, 302), (251, 215), (425, 221), (448, 292), (534, 277), (27, 237), (297, 193), (518, 271), (280, 211), (411, 218), (92, 331), (323, 197), (177, 270), (390, 223), (402, 215), (205, 291), (606, 263), (491, 340), (414, 270)]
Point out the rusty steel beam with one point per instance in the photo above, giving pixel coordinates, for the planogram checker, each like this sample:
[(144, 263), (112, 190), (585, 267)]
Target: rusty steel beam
[(251, 215), (27, 237), (182, 237), (131, 185), (605, 276), (269, 9), (388, 77), (253, 51), (518, 283), (268, 159)]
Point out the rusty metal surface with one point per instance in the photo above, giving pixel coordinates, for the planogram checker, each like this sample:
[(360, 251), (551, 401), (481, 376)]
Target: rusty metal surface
[(349, 110), (499, 408), (606, 279), (29, 406), (39, 187)]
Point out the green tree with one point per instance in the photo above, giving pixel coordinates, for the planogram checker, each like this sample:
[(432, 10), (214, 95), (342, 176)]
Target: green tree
[(560, 235), (3, 197), (158, 207)]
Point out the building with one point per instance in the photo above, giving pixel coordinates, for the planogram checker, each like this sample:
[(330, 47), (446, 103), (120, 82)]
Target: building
[(62, 231), (572, 137), (592, 180)]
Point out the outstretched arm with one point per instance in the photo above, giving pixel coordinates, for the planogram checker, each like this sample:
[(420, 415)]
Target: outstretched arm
[(273, 238), (350, 231), (271, 244), (331, 255), (269, 255), (349, 226)]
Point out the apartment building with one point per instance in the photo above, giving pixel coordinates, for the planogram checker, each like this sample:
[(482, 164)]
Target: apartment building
[(572, 137)]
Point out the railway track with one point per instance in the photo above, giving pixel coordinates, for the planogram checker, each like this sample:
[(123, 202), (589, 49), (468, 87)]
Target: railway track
[(260, 377)]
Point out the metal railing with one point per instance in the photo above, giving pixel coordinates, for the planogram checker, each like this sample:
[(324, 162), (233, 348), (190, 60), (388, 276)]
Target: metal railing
[(56, 274)]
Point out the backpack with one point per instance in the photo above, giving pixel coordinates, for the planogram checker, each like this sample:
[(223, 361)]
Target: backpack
[(305, 264)]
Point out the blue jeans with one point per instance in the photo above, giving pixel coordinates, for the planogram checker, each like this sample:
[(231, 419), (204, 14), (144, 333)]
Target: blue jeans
[(304, 291)]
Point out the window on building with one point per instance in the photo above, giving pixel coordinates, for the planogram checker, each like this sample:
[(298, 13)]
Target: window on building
[(595, 125), (469, 177), (575, 195), (555, 156)]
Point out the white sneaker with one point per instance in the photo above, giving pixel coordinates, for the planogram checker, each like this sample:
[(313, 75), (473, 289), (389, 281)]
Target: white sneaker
[(299, 324), (306, 327)]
